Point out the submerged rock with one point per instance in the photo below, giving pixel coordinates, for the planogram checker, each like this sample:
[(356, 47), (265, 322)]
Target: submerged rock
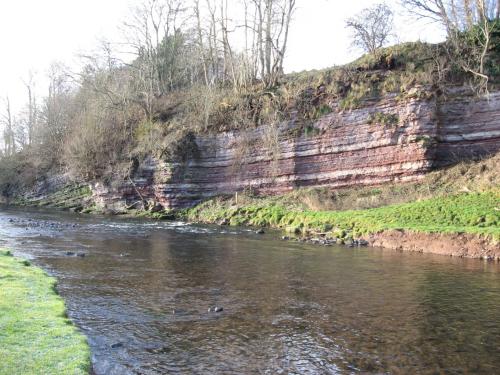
[(215, 309)]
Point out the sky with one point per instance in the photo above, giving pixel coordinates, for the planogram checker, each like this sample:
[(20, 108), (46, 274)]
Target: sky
[(35, 33)]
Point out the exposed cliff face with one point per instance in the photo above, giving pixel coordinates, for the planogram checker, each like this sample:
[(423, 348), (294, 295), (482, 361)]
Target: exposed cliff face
[(386, 140), (468, 127)]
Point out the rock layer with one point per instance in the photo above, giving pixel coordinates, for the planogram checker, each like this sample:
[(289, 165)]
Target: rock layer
[(341, 149)]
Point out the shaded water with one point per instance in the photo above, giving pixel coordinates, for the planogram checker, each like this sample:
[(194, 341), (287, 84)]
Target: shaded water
[(288, 307)]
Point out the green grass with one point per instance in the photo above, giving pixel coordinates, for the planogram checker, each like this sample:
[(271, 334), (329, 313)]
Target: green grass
[(476, 213), (36, 337)]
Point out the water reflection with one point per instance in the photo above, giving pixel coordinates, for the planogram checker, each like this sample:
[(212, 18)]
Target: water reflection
[(142, 293)]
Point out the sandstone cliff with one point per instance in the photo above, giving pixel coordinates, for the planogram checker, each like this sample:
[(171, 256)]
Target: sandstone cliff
[(385, 140)]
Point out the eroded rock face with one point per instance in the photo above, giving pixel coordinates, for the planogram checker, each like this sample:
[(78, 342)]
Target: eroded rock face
[(338, 150), (468, 128)]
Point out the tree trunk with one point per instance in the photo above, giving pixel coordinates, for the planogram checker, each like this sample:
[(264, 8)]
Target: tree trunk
[(468, 14)]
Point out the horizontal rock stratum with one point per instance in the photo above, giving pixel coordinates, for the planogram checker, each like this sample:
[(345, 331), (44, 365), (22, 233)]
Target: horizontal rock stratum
[(341, 149)]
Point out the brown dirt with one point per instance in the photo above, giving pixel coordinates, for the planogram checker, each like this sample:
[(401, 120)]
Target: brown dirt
[(461, 245)]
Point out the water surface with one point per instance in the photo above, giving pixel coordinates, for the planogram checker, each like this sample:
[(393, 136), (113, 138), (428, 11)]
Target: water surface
[(142, 292)]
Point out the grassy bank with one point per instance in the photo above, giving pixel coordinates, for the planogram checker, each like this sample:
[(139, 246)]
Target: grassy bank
[(475, 213), (36, 337), (464, 198)]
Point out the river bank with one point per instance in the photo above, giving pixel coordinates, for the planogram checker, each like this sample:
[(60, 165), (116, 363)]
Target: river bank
[(36, 336), (465, 225), (451, 211)]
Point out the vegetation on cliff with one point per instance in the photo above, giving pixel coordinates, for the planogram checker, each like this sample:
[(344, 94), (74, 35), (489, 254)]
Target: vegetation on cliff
[(187, 80), (36, 336)]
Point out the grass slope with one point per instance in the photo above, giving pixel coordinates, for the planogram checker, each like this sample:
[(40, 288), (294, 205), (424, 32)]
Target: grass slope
[(476, 213), (36, 337)]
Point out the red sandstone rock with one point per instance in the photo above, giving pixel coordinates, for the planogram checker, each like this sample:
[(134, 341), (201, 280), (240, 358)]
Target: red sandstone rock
[(345, 150)]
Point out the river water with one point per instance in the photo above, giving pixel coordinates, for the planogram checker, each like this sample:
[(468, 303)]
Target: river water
[(141, 295)]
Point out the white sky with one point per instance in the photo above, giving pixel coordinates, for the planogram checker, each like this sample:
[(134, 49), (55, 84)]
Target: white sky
[(34, 33)]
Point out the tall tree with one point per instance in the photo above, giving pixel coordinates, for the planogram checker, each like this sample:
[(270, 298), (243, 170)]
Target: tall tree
[(372, 27), (7, 121)]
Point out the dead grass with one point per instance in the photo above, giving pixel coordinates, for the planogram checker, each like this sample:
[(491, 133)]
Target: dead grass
[(472, 176)]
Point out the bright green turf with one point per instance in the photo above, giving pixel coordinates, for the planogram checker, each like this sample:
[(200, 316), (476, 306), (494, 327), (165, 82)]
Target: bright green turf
[(477, 213), (36, 337)]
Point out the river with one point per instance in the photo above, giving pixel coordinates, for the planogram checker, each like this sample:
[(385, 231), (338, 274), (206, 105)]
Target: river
[(142, 292)]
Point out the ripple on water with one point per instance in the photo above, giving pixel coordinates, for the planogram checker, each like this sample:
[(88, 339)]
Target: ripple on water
[(143, 291)]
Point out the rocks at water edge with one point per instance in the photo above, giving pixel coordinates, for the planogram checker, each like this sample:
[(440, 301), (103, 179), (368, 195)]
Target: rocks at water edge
[(223, 222), (328, 241)]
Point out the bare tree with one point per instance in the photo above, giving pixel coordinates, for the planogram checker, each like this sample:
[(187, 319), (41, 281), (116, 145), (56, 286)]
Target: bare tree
[(32, 110), (272, 26), (155, 36), (7, 121), (469, 29), (371, 28), (454, 15)]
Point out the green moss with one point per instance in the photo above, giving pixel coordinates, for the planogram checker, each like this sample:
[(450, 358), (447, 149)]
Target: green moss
[(426, 141), (383, 119), (475, 213), (36, 337)]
